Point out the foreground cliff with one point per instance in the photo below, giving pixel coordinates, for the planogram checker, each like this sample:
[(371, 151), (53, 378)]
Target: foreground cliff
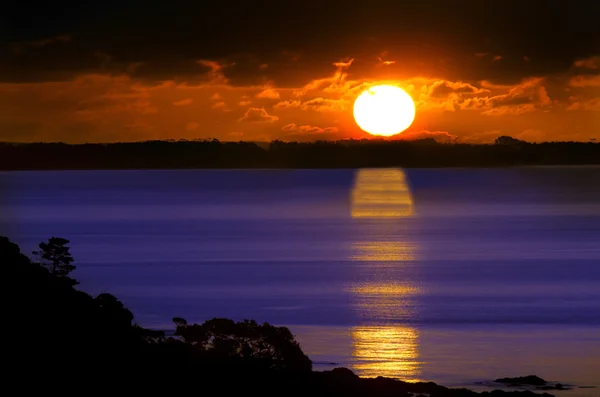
[(68, 342)]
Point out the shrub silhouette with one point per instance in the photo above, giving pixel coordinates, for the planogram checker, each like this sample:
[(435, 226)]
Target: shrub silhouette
[(272, 346)]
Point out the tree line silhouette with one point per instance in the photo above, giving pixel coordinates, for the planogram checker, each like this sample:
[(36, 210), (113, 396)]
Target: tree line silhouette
[(65, 340), (506, 151)]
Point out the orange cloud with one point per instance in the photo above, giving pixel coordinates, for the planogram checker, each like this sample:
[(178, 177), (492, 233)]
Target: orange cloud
[(258, 115), (385, 62), (334, 84), (292, 127), (215, 74), (288, 104), (324, 105), (112, 107), (438, 136), (220, 106), (592, 104), (585, 81), (513, 109), (184, 102), (443, 88), (268, 93)]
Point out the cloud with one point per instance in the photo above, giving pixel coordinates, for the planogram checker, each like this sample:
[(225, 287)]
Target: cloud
[(592, 104), (444, 88), (309, 129), (588, 63), (337, 83), (268, 93), (324, 105), (383, 59), (288, 104), (220, 106), (215, 71), (122, 106), (20, 47), (488, 99), (439, 136), (528, 96), (258, 115), (318, 104), (585, 81), (184, 102), (513, 109)]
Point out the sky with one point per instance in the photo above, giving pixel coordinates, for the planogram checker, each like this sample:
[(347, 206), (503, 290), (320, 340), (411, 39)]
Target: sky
[(134, 70)]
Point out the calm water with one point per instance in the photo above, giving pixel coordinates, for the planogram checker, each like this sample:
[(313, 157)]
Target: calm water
[(455, 276)]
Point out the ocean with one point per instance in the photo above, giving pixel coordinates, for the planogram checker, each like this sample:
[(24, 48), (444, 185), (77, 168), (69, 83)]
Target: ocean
[(457, 276)]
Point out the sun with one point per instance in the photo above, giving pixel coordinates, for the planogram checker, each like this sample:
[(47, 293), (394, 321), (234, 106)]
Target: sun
[(384, 110)]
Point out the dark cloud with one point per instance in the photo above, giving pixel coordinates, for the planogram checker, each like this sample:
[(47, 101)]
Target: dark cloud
[(297, 38)]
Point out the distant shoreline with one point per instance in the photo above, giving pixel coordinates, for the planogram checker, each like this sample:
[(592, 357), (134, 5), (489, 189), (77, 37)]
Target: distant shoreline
[(351, 154), (571, 166)]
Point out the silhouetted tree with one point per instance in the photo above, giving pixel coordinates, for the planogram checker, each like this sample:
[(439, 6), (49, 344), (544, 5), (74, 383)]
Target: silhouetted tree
[(114, 310), (55, 256), (508, 140), (149, 335), (271, 345), (348, 153)]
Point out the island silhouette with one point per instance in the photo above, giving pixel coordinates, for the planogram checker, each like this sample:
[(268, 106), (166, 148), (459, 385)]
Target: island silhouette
[(212, 154)]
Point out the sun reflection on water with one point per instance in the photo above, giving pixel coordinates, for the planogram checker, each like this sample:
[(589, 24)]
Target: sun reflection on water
[(379, 295), (390, 351), (381, 193), (381, 251)]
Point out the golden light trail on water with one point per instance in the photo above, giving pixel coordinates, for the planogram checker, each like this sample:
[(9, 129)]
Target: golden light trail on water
[(381, 196)]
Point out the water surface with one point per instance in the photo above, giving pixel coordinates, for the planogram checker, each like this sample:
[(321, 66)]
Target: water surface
[(450, 275)]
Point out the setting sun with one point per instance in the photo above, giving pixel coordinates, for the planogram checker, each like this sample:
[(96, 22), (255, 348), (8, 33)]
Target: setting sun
[(384, 110)]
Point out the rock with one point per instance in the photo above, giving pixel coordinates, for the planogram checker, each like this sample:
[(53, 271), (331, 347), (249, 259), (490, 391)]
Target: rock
[(558, 386), (343, 374), (530, 380)]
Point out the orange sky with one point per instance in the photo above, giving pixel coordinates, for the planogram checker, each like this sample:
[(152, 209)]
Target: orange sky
[(461, 94)]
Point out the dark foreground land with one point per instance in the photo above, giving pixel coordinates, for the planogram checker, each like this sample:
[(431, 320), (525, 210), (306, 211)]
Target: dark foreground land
[(69, 342), (341, 154)]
